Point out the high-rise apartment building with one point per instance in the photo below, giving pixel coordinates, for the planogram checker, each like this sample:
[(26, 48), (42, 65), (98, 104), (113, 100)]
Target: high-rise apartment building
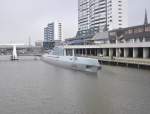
[(53, 32), (117, 14), (83, 14), (97, 13), (102, 14)]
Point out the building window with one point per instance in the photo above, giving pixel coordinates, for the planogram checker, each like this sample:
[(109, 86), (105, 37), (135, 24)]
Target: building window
[(138, 30), (112, 33), (147, 29), (130, 31)]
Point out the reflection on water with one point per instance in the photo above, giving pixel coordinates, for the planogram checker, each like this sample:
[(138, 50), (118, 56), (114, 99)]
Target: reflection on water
[(31, 86), (21, 58)]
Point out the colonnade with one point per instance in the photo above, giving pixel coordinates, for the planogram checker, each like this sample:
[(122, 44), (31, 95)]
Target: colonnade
[(111, 52)]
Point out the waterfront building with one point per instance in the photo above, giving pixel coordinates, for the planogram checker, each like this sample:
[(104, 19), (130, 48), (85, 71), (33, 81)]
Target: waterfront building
[(134, 34), (101, 15), (128, 46), (140, 33)]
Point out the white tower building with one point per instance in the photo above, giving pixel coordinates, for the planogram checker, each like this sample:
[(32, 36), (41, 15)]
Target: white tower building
[(53, 31), (117, 14), (97, 14), (112, 14), (83, 15)]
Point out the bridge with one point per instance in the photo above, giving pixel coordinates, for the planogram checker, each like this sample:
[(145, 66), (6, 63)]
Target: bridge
[(19, 46), (14, 48)]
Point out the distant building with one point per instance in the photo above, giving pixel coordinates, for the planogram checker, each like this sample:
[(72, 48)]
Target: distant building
[(101, 15), (48, 45), (39, 43), (53, 31), (52, 34)]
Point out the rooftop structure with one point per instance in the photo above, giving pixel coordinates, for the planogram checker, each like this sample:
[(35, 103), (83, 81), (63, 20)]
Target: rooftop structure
[(146, 19), (129, 34)]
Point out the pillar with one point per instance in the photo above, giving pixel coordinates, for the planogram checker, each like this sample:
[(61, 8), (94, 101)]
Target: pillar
[(104, 52), (126, 52), (117, 52), (110, 52), (138, 40), (64, 52), (82, 52), (145, 53), (144, 39), (85, 52), (90, 52), (73, 52), (135, 52)]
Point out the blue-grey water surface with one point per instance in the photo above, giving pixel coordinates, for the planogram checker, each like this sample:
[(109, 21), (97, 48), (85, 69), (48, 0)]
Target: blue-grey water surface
[(31, 86)]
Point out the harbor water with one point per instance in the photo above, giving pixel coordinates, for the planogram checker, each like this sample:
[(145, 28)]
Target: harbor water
[(31, 86)]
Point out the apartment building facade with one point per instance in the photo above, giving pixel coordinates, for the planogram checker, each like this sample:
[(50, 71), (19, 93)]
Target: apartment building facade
[(53, 32), (102, 14)]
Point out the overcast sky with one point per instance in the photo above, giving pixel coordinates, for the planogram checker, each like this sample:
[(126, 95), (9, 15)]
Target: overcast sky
[(20, 19)]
